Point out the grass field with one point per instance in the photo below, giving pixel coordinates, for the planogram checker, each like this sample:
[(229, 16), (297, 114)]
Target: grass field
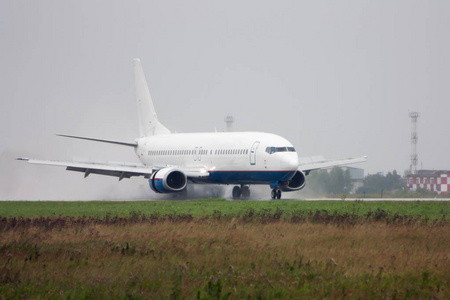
[(218, 249), (206, 207)]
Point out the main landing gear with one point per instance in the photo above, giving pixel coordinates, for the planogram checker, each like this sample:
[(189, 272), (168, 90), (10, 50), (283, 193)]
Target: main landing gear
[(241, 192), (276, 193)]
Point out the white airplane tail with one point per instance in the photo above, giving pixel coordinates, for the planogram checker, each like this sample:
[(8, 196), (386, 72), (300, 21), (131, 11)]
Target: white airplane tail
[(148, 121)]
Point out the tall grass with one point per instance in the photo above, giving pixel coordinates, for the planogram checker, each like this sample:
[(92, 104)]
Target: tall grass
[(253, 253)]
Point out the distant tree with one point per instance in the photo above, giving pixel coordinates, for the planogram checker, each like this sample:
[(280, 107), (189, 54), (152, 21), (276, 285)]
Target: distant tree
[(377, 182), (317, 180), (332, 182), (395, 181), (340, 181)]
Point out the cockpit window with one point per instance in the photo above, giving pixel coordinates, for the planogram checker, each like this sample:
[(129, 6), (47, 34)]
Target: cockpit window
[(272, 150)]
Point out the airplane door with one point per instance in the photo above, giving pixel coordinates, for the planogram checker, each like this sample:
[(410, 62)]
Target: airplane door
[(195, 153), (253, 153)]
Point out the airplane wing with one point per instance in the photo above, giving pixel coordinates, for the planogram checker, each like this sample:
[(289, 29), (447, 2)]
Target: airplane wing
[(191, 173), (306, 167), (118, 170)]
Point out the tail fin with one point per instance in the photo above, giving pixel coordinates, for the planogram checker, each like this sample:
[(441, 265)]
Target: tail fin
[(148, 121)]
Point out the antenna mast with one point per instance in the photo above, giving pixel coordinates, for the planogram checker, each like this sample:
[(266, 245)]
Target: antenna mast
[(414, 158), (229, 120)]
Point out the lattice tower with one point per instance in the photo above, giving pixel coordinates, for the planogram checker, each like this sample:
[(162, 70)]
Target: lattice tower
[(414, 138), (229, 120)]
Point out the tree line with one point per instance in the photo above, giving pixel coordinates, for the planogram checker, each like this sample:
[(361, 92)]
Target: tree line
[(337, 181)]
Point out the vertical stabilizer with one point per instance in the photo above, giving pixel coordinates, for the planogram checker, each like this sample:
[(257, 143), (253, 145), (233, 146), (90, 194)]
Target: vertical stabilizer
[(148, 121)]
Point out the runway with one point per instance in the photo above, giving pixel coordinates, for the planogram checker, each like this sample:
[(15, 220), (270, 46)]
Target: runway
[(375, 199)]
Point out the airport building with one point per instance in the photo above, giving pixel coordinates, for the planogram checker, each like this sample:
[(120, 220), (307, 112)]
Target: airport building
[(432, 180)]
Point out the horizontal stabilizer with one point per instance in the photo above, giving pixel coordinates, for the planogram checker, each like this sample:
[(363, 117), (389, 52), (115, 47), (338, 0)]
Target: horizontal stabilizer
[(99, 140)]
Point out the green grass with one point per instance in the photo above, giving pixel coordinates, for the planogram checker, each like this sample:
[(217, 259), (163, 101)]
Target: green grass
[(207, 207)]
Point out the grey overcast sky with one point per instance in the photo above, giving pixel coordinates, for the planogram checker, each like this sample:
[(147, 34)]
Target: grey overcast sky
[(336, 78)]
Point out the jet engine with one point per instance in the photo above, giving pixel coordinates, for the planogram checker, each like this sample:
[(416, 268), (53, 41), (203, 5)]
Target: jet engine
[(295, 183), (168, 180)]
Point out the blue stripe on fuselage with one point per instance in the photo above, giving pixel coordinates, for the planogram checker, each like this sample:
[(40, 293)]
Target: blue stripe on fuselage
[(248, 177)]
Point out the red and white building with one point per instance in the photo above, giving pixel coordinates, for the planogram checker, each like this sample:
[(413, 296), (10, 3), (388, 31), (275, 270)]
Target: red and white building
[(431, 180)]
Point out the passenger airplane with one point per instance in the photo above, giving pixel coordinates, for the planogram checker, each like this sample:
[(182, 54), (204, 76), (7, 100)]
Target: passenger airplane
[(171, 160)]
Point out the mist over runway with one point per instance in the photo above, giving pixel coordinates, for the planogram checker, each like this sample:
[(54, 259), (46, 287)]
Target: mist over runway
[(334, 78)]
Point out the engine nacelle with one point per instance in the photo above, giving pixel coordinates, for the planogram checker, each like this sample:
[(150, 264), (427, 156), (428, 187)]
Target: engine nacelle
[(295, 183), (168, 180)]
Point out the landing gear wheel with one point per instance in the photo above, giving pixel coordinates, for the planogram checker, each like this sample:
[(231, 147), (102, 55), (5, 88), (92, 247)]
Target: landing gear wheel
[(236, 192), (273, 194), (276, 194), (245, 192)]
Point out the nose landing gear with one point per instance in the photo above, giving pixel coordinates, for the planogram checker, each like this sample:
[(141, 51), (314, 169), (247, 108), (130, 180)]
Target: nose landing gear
[(241, 192), (276, 193)]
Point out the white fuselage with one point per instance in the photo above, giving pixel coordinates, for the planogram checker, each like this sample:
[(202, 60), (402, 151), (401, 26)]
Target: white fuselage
[(229, 157)]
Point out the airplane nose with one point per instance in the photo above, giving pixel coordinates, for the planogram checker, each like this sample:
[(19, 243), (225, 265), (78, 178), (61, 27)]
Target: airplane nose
[(289, 162)]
